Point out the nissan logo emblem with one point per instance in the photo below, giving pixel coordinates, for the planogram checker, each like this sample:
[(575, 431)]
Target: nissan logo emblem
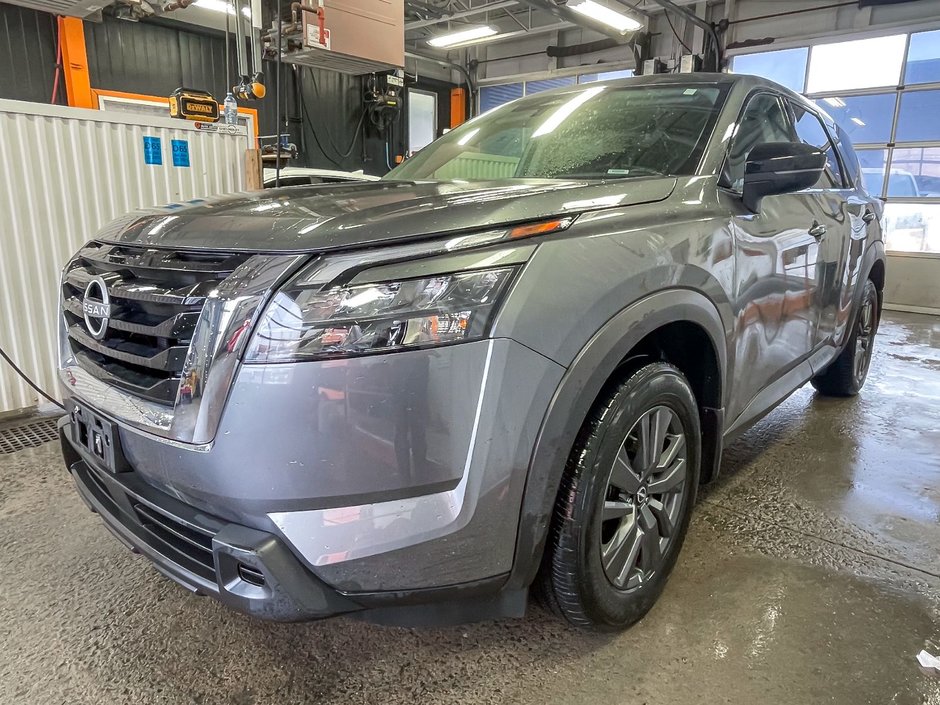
[(97, 307)]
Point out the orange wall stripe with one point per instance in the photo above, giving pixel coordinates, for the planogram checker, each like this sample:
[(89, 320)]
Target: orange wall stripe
[(75, 63)]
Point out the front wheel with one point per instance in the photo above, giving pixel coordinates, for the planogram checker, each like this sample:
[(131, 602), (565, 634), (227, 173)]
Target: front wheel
[(846, 376), (625, 501)]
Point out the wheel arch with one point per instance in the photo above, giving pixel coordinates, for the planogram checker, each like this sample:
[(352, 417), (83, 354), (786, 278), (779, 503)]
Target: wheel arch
[(648, 328)]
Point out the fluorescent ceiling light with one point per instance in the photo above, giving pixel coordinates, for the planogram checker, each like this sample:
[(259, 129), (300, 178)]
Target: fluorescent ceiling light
[(220, 6), (835, 102), (605, 15), (464, 35), (858, 122), (562, 114)]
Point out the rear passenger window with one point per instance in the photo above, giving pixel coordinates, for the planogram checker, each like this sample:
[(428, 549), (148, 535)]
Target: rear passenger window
[(764, 120), (810, 130)]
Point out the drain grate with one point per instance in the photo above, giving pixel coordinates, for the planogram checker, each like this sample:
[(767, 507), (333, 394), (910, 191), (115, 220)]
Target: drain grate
[(28, 435)]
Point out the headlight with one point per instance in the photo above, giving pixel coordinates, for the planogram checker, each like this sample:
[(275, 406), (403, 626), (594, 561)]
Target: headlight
[(309, 323)]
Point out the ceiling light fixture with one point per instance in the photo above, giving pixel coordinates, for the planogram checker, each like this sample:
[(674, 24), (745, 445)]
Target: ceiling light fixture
[(605, 15), (462, 37), (859, 122), (835, 102), (220, 6)]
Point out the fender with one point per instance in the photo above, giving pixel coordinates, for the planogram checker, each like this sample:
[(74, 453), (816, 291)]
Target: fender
[(576, 394)]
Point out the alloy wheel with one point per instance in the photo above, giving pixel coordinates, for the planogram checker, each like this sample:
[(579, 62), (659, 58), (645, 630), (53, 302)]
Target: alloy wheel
[(643, 499), (864, 339)]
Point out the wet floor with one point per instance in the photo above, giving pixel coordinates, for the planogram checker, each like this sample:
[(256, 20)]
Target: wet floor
[(811, 574)]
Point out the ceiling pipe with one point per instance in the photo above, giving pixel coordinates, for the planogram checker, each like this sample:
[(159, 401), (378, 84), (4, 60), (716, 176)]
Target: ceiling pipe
[(502, 5), (569, 15)]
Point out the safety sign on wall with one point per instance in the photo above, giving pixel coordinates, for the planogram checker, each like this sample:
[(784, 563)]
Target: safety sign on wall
[(153, 152), (180, 152)]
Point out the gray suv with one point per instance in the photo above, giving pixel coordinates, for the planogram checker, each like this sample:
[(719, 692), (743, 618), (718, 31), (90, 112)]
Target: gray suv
[(508, 364)]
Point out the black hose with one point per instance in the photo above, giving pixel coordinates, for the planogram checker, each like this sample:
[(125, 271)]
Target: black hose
[(28, 381)]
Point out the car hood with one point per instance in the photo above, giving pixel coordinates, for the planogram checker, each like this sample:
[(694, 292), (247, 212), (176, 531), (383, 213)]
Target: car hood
[(342, 216)]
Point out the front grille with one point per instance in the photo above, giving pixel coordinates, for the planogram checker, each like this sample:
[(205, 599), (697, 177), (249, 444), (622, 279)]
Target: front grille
[(181, 541), (184, 545), (156, 299)]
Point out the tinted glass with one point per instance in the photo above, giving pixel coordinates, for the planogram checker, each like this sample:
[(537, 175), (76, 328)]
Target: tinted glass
[(787, 67), (918, 120), (867, 118), (810, 130), (595, 132), (764, 120), (861, 63), (923, 58)]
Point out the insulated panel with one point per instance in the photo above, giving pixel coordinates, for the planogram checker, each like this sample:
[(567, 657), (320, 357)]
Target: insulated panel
[(66, 172)]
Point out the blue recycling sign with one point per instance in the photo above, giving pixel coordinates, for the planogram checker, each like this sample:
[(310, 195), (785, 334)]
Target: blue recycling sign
[(153, 151), (180, 152)]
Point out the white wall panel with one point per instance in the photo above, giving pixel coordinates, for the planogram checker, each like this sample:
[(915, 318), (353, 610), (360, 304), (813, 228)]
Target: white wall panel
[(65, 172)]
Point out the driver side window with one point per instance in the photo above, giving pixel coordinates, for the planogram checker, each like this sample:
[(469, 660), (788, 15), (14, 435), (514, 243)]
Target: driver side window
[(764, 120)]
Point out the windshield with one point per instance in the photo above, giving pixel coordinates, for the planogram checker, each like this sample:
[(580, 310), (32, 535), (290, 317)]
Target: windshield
[(596, 132)]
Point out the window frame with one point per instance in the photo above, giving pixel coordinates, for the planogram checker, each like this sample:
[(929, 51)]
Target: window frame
[(810, 108)]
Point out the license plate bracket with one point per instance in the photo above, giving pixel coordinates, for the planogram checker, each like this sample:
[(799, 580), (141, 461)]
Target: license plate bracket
[(98, 437)]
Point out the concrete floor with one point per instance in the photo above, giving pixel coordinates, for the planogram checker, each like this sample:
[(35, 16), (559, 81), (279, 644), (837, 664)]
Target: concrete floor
[(811, 574)]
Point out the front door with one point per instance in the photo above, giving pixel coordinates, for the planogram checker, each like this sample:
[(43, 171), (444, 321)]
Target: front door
[(778, 267)]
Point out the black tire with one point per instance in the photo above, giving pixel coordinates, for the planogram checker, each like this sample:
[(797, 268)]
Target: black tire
[(846, 376), (581, 578)]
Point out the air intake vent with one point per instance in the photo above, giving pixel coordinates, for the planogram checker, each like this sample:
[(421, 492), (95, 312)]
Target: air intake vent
[(28, 434)]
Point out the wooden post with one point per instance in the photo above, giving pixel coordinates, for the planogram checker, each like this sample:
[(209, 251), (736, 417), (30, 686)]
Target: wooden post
[(253, 172)]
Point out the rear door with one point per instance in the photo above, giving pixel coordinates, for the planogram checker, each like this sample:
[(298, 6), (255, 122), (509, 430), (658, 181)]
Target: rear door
[(838, 212), (777, 269)]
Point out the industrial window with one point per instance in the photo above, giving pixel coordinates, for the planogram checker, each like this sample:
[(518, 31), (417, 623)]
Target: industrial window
[(533, 87), (860, 63), (923, 58), (865, 118), (786, 66), (494, 96), (605, 76), (884, 94)]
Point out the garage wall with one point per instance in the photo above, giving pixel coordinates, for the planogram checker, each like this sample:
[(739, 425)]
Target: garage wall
[(157, 57), (27, 54)]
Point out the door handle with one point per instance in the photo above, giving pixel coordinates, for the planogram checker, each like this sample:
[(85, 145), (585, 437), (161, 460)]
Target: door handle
[(818, 230), (868, 215)]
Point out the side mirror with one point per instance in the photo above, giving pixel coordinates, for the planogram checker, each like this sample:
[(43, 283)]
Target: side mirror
[(780, 167)]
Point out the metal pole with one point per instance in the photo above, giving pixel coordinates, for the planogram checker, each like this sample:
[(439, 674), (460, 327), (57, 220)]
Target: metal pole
[(277, 99)]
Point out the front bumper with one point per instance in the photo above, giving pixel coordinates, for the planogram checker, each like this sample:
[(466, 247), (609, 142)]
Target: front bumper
[(249, 570)]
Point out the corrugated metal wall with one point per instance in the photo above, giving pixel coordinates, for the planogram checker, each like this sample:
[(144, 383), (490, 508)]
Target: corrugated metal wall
[(65, 172)]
